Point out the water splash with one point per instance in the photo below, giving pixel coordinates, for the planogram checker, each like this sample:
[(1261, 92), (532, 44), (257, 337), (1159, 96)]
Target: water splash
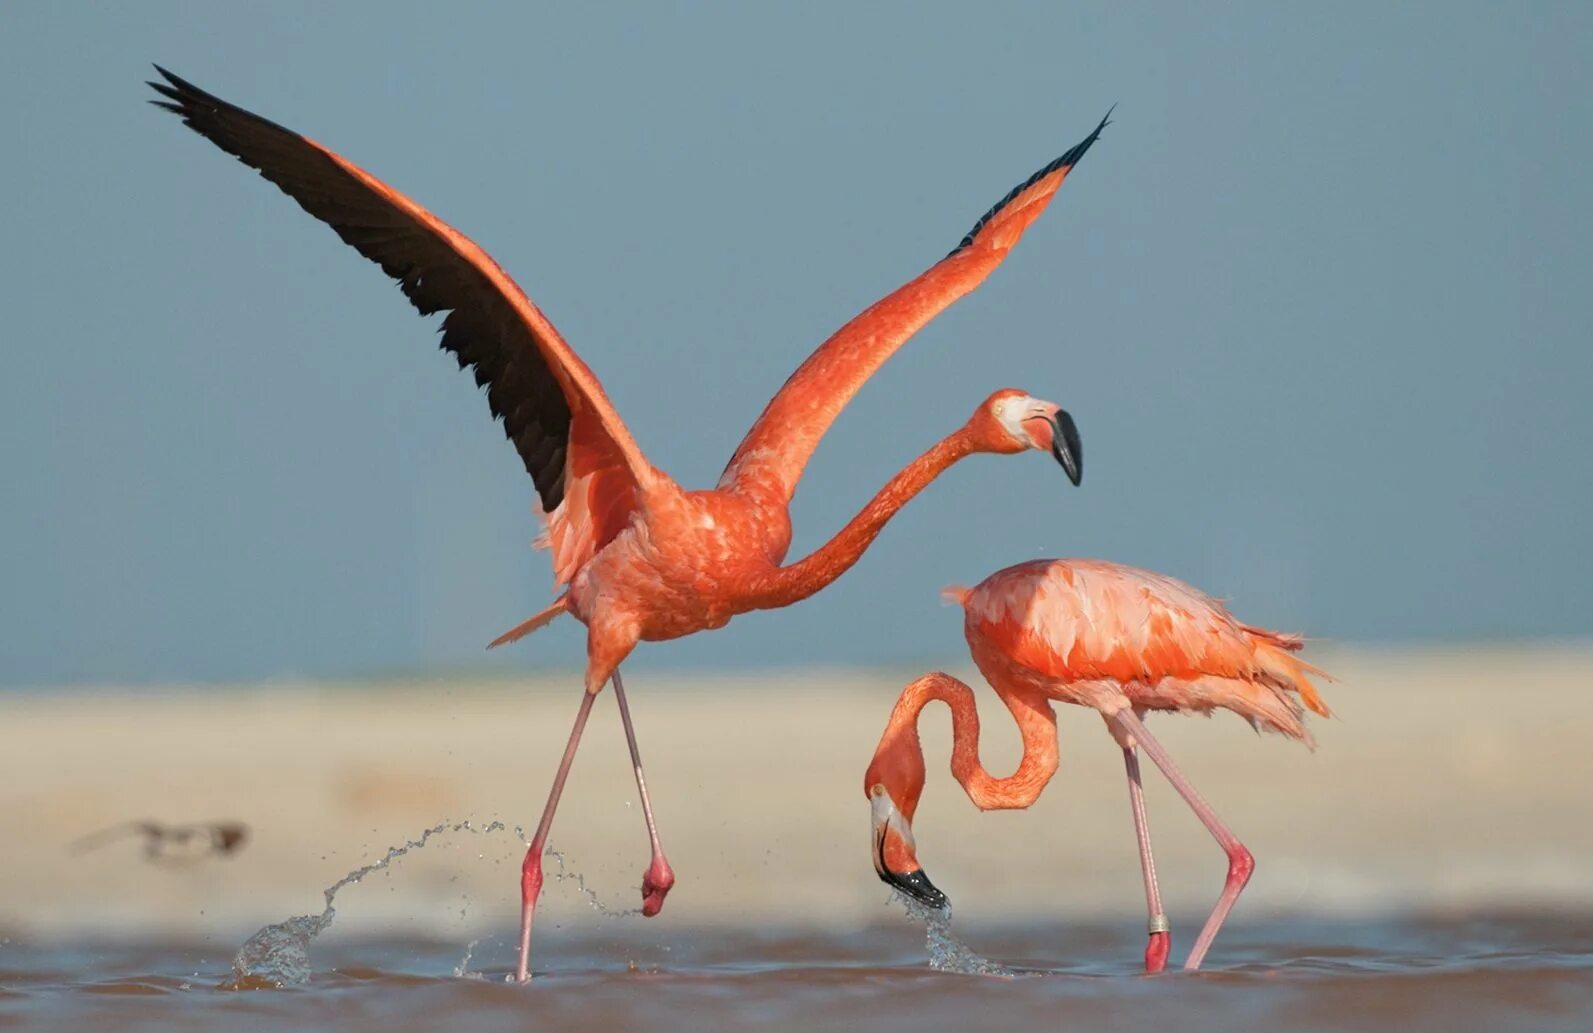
[(278, 955), (567, 874), (946, 952), (462, 970)]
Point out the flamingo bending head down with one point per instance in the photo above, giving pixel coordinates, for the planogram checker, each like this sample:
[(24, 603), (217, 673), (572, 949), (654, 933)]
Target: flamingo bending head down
[(1120, 640)]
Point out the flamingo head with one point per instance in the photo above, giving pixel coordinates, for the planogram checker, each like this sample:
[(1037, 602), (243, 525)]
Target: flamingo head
[(893, 784), (1010, 421)]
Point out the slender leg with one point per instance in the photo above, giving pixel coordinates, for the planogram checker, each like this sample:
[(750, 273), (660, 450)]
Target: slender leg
[(659, 877), (1240, 861), (531, 870), (1157, 925)]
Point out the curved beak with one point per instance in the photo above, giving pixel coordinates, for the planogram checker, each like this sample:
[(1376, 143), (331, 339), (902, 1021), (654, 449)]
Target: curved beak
[(895, 859), (1066, 447)]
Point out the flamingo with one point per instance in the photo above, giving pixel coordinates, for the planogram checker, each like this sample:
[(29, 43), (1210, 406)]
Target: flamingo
[(639, 557), (1121, 640)]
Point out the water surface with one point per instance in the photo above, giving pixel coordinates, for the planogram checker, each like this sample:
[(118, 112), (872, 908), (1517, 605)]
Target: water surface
[(1489, 972)]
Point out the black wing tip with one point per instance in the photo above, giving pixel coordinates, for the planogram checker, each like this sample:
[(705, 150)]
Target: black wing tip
[(1085, 144), (188, 97), (1069, 159), (174, 79)]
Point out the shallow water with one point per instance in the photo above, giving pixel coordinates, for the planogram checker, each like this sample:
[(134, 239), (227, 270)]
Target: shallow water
[(1520, 973)]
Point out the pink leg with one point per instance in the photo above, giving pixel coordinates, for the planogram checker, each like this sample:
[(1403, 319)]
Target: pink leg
[(531, 870), (1240, 861), (659, 877), (1157, 925)]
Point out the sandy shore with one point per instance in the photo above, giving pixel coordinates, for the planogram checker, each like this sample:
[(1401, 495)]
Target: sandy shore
[(1448, 780)]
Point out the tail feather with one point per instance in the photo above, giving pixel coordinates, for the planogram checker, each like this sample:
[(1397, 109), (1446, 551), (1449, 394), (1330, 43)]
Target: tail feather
[(1276, 696), (1270, 708), (1274, 651), (1265, 704), (1281, 639), (526, 627), (957, 595)]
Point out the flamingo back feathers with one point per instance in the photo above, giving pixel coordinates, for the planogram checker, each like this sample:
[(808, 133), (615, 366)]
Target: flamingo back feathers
[(1166, 645)]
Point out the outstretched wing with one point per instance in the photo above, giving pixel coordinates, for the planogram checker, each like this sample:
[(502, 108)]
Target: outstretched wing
[(552, 406), (771, 458)]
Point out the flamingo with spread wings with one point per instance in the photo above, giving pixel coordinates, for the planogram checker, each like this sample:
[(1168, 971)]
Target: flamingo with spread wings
[(640, 557)]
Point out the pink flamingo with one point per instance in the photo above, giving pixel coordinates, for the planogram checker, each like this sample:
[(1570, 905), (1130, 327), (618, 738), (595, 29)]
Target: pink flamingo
[(643, 558), (1121, 640)]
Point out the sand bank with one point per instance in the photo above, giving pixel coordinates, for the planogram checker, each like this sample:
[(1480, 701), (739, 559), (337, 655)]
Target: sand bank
[(1449, 779)]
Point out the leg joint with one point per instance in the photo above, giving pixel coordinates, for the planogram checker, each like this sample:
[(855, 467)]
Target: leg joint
[(1241, 864), (531, 875)]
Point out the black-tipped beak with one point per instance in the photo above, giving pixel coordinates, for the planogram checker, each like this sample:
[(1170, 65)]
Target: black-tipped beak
[(1065, 445), (917, 886)]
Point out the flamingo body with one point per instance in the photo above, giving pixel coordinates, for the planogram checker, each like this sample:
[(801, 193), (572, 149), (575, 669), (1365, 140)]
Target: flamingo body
[(1088, 632), (1120, 640), (688, 567)]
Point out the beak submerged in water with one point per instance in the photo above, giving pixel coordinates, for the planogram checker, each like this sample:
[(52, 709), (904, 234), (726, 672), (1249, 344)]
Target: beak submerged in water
[(894, 856), (1066, 447)]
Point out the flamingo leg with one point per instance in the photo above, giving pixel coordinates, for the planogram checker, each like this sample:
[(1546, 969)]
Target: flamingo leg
[(659, 877), (531, 869), (1241, 863), (1156, 925)]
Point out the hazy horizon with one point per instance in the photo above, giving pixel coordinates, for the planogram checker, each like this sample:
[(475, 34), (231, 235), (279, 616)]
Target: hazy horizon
[(1312, 300)]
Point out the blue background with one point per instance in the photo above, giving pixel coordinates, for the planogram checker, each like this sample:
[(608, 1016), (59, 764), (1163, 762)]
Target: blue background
[(1319, 300)]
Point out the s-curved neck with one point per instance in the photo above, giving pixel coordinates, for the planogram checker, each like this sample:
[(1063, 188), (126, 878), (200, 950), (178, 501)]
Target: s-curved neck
[(817, 570), (1036, 723)]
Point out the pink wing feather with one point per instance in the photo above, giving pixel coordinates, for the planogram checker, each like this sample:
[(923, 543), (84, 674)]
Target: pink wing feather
[(771, 458)]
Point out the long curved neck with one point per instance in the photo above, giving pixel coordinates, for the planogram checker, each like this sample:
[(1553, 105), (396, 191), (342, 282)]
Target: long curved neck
[(1036, 723), (803, 578)]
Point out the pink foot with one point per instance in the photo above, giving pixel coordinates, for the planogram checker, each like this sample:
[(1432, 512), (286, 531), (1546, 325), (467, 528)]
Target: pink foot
[(657, 881), (1156, 951)]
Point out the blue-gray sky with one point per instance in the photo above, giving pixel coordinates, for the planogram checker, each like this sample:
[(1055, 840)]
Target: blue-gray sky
[(1319, 300)]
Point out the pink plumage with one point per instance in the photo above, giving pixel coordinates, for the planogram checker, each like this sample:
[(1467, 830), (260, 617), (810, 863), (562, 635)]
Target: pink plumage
[(1076, 623), (644, 559), (1120, 640)]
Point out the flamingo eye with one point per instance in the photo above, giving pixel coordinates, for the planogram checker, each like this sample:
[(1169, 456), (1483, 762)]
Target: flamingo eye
[(877, 789)]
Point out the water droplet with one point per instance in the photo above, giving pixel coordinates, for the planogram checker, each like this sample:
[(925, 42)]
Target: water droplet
[(462, 970), (946, 952), (279, 953)]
